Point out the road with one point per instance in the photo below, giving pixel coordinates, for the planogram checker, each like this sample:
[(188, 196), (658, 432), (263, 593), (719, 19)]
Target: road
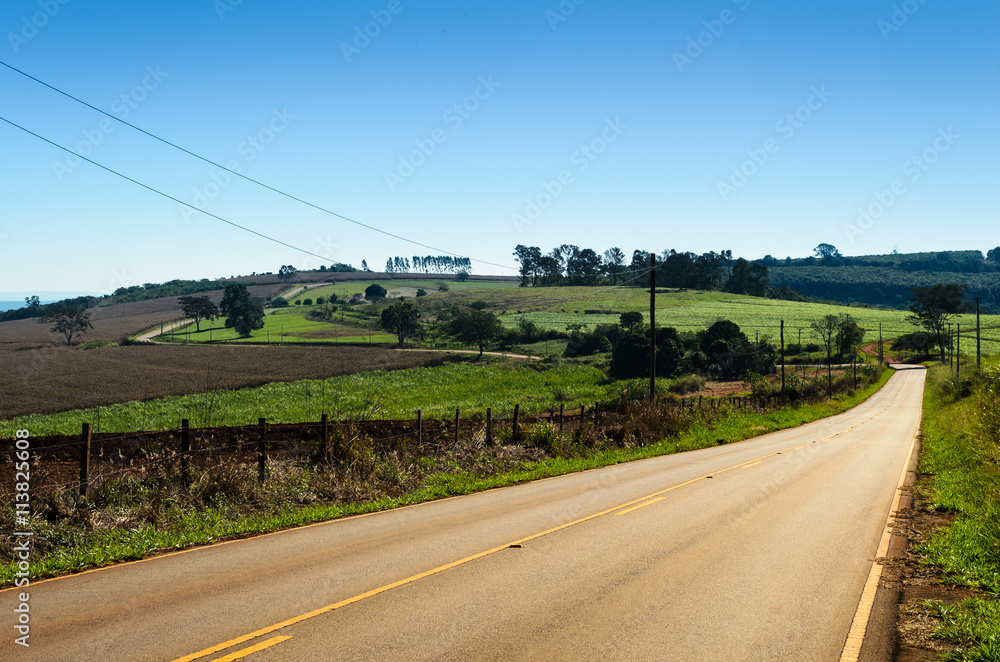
[(752, 551)]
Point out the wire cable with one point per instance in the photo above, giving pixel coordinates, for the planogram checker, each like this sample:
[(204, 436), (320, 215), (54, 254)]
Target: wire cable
[(242, 176)]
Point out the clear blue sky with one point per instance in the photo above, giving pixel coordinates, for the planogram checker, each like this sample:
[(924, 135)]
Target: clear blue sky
[(670, 118)]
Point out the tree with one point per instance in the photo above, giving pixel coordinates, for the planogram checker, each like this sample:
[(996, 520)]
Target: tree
[(200, 308), (70, 322), (826, 329), (364, 265), (375, 292), (287, 272), (401, 318), (629, 321), (826, 251), (614, 264), (32, 302), (244, 313), (476, 327), (993, 255), (849, 336), (462, 276), (933, 306)]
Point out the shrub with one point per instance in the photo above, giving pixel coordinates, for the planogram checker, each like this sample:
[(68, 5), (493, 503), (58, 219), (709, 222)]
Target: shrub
[(307, 302), (97, 343), (421, 293), (279, 302), (442, 286), (298, 302), (686, 384), (320, 301)]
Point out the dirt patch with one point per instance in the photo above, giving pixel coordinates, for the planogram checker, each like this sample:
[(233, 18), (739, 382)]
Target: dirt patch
[(324, 334), (916, 583)]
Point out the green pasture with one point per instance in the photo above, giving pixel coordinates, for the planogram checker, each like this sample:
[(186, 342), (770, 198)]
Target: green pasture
[(398, 394), (283, 325)]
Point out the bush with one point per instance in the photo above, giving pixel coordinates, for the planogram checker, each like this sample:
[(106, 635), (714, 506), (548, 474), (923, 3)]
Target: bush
[(375, 292), (462, 276), (421, 293), (97, 343), (307, 302), (320, 301), (442, 286), (686, 384), (279, 302), (298, 302)]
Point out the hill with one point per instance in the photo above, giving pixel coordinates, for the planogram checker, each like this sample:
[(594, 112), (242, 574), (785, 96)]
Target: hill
[(885, 280)]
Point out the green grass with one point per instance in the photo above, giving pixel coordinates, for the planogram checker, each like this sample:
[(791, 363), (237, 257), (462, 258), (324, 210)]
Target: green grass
[(212, 525), (398, 394), (282, 326), (961, 453)]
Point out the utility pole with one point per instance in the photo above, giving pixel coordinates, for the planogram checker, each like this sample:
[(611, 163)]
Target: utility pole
[(979, 347), (652, 326), (782, 356)]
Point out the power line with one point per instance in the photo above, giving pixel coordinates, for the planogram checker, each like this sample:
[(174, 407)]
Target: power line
[(159, 192), (240, 175)]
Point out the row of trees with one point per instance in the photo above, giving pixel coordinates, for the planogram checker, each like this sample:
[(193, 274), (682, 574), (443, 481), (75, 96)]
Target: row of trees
[(571, 265), (436, 264)]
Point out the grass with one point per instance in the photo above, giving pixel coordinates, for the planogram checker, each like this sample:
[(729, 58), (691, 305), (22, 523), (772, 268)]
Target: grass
[(960, 449), (283, 326), (76, 544), (397, 394)]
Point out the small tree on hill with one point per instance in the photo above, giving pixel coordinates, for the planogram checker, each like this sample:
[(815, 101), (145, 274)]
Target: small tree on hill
[(401, 318), (826, 251), (200, 308), (287, 272), (244, 313), (476, 327), (375, 292), (70, 322)]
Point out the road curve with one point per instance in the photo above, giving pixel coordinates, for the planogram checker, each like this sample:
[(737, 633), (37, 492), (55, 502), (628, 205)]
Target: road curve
[(752, 551)]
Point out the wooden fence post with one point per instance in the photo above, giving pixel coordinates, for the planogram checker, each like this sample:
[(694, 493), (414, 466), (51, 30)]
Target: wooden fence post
[(324, 447), (85, 461), (261, 454), (456, 427), (513, 427), (185, 451), (489, 426)]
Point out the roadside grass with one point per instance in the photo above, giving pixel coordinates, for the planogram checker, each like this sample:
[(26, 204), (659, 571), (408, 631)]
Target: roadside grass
[(961, 433), (397, 394), (248, 509)]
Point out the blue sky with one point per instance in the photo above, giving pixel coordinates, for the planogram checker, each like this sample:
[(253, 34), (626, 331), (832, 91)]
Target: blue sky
[(765, 127)]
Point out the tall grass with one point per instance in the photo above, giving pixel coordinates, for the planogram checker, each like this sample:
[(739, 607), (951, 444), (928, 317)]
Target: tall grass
[(961, 449)]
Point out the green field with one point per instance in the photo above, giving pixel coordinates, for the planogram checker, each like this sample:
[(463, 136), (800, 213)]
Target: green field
[(282, 326), (560, 307), (389, 395)]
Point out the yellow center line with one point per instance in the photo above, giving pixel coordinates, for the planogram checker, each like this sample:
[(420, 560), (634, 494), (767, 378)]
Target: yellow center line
[(516, 543), (252, 649), (747, 466), (641, 505)]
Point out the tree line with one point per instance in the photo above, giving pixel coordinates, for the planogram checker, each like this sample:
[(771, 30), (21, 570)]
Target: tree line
[(429, 264), (571, 265)]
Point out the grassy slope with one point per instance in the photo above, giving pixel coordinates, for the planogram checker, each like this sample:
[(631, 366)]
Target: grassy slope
[(211, 526), (397, 394), (966, 480)]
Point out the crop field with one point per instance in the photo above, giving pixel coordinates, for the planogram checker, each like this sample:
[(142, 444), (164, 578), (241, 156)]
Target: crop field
[(763, 316), (283, 326), (60, 378), (437, 391), (407, 288)]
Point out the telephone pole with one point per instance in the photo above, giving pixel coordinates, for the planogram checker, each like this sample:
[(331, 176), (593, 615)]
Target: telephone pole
[(782, 356), (652, 326)]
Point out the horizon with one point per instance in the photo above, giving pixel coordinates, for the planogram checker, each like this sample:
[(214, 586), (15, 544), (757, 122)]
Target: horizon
[(759, 122)]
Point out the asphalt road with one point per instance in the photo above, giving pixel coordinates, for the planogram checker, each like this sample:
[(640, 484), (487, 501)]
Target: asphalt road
[(751, 551)]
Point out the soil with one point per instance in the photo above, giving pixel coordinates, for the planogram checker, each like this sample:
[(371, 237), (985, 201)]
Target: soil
[(906, 579)]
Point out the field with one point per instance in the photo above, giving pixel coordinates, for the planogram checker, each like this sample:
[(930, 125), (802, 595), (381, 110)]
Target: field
[(60, 378), (283, 326), (436, 391)]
